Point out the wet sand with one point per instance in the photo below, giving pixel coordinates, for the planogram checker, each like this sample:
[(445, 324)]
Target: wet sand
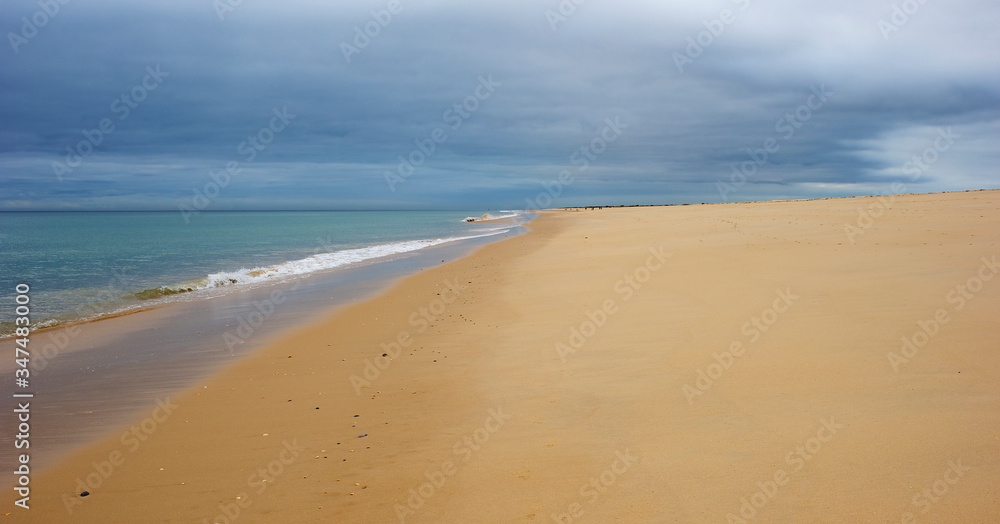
[(716, 363), (96, 376)]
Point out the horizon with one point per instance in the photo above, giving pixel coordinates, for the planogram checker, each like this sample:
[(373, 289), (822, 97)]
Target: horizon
[(457, 210)]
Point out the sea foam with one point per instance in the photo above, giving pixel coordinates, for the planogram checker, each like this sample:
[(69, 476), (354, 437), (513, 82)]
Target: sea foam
[(325, 261)]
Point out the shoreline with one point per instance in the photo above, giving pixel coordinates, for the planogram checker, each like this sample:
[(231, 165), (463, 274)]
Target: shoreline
[(98, 375), (119, 298), (67, 324), (564, 356)]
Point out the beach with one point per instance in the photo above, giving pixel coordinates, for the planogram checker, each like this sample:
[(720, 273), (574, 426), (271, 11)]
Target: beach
[(819, 360), (101, 355)]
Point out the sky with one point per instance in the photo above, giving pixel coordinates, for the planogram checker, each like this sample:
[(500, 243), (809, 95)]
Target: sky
[(421, 104)]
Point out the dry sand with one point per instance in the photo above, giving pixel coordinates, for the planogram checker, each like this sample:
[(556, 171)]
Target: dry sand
[(487, 416)]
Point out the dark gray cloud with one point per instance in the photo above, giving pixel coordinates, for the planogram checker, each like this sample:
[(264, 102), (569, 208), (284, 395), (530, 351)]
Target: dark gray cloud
[(748, 77)]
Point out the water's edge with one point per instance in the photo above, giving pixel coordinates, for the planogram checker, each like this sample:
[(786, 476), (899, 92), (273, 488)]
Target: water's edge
[(108, 373)]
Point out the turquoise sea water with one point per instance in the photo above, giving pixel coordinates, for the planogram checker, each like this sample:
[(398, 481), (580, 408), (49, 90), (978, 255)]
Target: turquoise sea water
[(90, 264)]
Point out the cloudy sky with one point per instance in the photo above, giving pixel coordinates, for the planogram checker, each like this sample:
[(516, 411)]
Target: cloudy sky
[(423, 104)]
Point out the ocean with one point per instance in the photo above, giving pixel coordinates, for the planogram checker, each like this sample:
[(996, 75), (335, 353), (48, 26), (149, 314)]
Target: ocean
[(88, 265)]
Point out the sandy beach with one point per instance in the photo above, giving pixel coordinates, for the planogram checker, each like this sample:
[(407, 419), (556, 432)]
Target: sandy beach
[(797, 361)]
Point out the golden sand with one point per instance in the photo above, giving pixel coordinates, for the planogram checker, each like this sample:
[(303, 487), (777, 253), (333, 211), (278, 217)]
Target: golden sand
[(713, 363)]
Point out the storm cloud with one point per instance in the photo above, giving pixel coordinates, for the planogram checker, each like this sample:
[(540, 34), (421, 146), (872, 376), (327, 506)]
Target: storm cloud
[(247, 104)]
